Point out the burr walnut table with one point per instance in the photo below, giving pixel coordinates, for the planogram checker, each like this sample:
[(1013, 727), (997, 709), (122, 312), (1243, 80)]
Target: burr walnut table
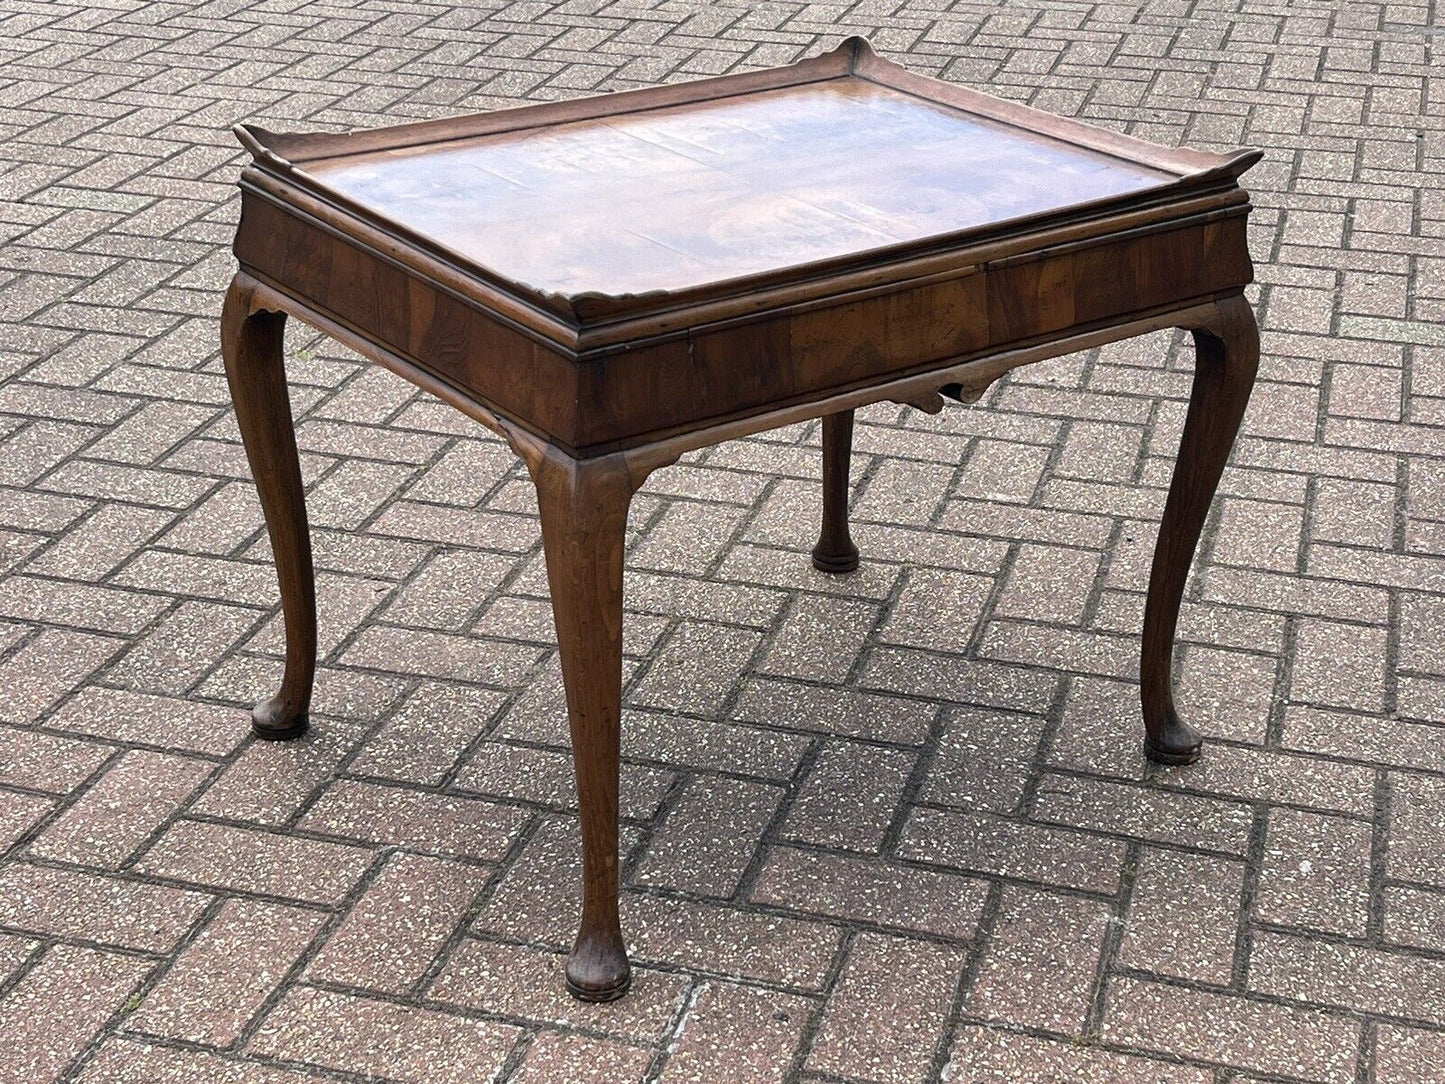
[(611, 282)]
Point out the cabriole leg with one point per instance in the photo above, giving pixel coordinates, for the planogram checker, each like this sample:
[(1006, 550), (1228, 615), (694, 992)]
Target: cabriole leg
[(251, 344), (835, 551), (584, 523), (1226, 359)]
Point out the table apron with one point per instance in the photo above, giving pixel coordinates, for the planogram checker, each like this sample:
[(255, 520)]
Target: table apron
[(1023, 308)]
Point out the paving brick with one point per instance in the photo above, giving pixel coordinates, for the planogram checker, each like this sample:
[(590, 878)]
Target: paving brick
[(14, 952), (713, 939), (1228, 693), (134, 797), (448, 590), (713, 599), (1315, 872), (1413, 916), (843, 711), (343, 602), (1259, 534), (1277, 777), (414, 819), (864, 889), (936, 609), (440, 655), (1373, 739), (1183, 916), (1339, 665), (121, 715), (545, 776), (886, 1016), (1416, 848), (1040, 961), (558, 1056), (394, 1042), (1049, 583), (80, 605), (690, 537), (1321, 597), (1354, 513), (1181, 819), (1002, 471), (1404, 1055), (959, 680), (124, 1061), (709, 837), (49, 666), (90, 907), (707, 746), (464, 474), (536, 898), (269, 782), (237, 859), (731, 1034), (66, 998), (984, 761), (849, 797), (1349, 977), (902, 492), (940, 549), (20, 813), (1419, 650), (1033, 646), (1012, 849), (392, 934), (223, 977), (696, 668), (1231, 1030), (428, 734), (1099, 450), (982, 1055)]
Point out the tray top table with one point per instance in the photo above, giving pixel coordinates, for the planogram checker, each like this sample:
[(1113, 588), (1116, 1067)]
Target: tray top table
[(613, 281)]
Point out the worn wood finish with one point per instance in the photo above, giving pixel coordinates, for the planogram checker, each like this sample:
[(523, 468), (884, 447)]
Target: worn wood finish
[(251, 346), (952, 259), (614, 281), (584, 521), (1226, 353), (835, 551), (677, 197)]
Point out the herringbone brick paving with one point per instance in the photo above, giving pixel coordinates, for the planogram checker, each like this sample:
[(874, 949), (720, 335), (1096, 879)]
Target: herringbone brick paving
[(891, 827)]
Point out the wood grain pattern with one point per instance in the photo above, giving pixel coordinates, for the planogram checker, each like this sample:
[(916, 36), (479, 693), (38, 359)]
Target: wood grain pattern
[(251, 346), (835, 551), (584, 522), (1226, 352), (686, 195)]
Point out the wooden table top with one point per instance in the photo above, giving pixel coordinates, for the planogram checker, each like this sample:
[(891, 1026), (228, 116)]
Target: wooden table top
[(680, 196), (625, 204)]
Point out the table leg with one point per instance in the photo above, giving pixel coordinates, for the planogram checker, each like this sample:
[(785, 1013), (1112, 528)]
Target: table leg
[(251, 344), (584, 523), (835, 551), (1226, 359)]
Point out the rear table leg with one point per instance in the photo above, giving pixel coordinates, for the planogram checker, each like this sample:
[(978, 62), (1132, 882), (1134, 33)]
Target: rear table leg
[(835, 551)]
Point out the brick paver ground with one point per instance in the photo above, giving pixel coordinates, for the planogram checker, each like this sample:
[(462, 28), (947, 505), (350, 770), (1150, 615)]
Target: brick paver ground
[(893, 827)]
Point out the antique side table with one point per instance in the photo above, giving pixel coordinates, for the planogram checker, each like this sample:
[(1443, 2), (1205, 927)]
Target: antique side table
[(614, 281)]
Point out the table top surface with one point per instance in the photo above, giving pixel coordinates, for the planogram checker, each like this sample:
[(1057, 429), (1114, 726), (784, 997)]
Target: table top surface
[(680, 196)]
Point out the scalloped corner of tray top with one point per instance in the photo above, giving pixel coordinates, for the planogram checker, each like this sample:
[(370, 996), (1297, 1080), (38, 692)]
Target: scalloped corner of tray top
[(288, 150)]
